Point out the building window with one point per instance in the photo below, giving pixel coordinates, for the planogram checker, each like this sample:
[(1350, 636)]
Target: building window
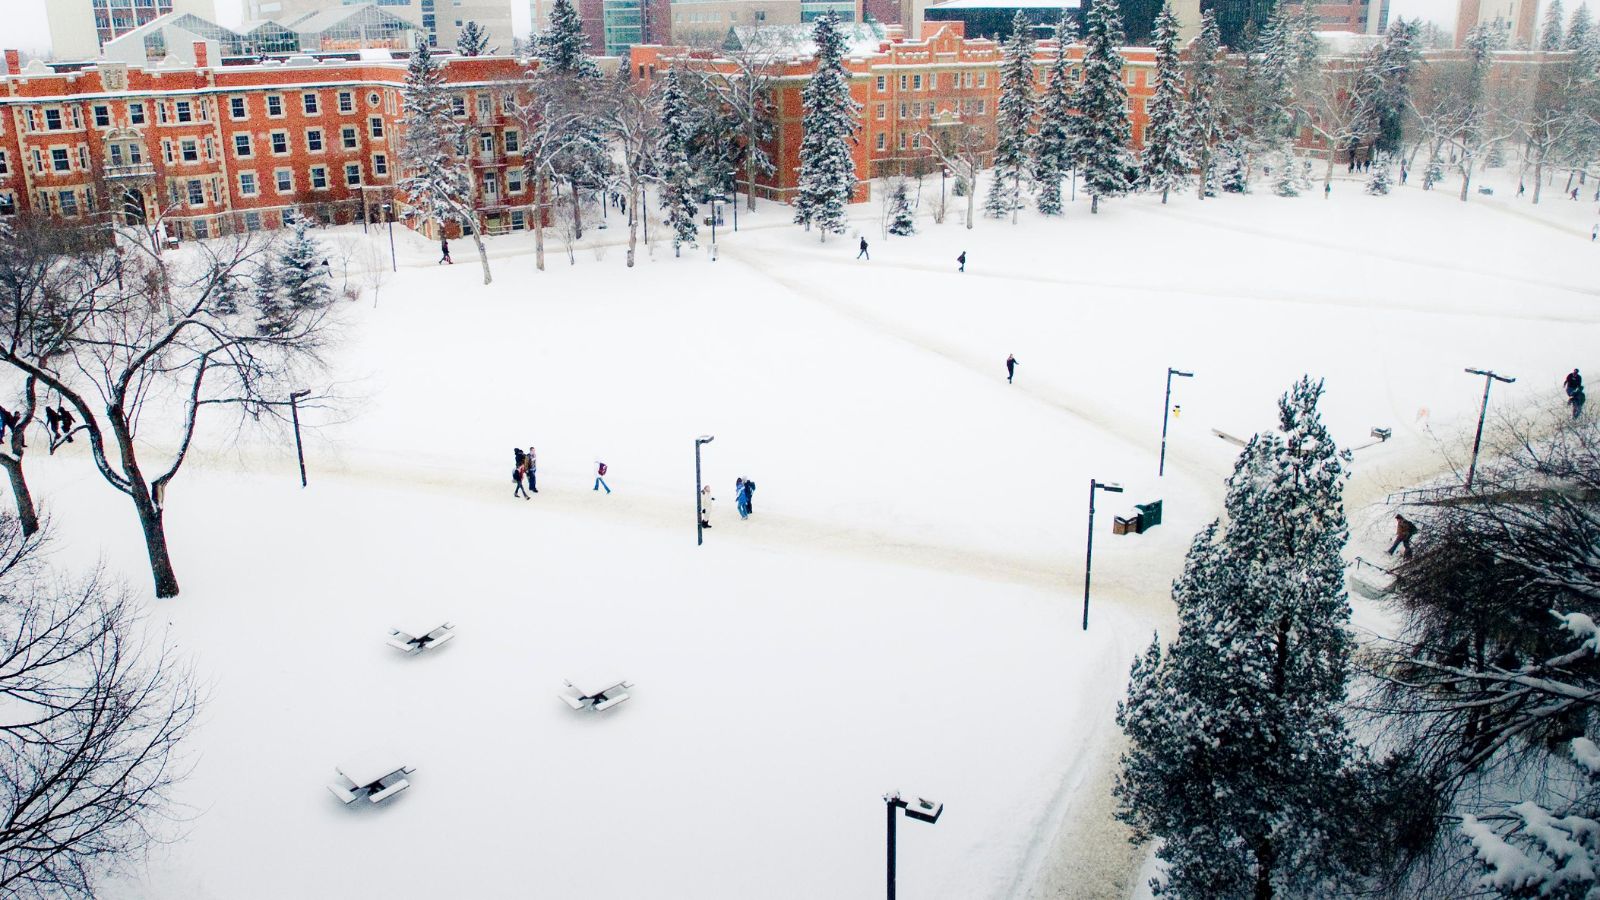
[(52, 119), (513, 141), (966, 79), (136, 113), (32, 124), (161, 112), (38, 160), (347, 102), (916, 82), (883, 140), (349, 137), (372, 99), (486, 142), (905, 110), (352, 174), (514, 181), (902, 82), (319, 178), (380, 164), (83, 158), (5, 164), (197, 192), (284, 181), (252, 221), (166, 151), (69, 203), (275, 106), (902, 140), (241, 146), (491, 185), (247, 184), (202, 229), (519, 220), (102, 116), (59, 160), (883, 111), (933, 81), (314, 140), (8, 204), (375, 127), (980, 106), (983, 79), (280, 143), (883, 83), (185, 111), (309, 101), (236, 107), (458, 105), (189, 150)]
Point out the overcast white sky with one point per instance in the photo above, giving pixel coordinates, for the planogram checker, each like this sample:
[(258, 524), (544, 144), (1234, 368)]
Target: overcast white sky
[(23, 25)]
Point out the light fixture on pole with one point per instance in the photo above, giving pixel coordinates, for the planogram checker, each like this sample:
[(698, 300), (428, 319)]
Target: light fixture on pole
[(699, 509), (1088, 555), (388, 213), (299, 450), (1489, 378), (1166, 410), (919, 808)]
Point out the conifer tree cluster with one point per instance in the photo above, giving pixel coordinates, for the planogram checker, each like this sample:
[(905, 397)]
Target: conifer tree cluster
[(1167, 159), (672, 159), (1205, 113), (1052, 145), (1013, 122), (1104, 134)]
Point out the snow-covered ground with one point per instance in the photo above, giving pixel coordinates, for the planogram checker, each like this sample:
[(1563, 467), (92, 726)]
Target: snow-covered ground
[(901, 613)]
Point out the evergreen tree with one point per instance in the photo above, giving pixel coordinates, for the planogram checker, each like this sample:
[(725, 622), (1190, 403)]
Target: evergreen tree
[(1389, 80), (561, 47), (303, 281), (1052, 146), (1166, 162), (1288, 175), (437, 183), (1104, 134), (1013, 121), (1205, 114), (1238, 758), (229, 292), (672, 157), (474, 40), (902, 221), (1584, 43), (272, 314), (1379, 182), (1233, 166), (1550, 35), (827, 169)]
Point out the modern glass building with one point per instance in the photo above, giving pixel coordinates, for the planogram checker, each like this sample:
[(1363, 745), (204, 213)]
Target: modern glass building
[(811, 10), (624, 25)]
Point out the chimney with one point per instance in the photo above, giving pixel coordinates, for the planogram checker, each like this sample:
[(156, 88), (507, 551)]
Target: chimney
[(200, 58), (13, 62)]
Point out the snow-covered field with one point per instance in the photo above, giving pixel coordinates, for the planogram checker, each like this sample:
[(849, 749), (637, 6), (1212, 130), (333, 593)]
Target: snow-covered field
[(901, 613)]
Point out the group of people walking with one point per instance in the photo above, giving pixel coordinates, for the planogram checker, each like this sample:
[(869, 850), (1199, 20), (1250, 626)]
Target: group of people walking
[(525, 483), (743, 490), (58, 420), (527, 470)]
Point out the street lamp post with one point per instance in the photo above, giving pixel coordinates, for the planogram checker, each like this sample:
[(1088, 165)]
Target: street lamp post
[(924, 810), (299, 449), (699, 508), (388, 213), (1489, 378), (1166, 410), (1088, 555), (733, 180)]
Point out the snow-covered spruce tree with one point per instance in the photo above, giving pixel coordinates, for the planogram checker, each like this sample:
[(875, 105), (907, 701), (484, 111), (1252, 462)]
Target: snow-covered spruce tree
[(1013, 122), (1104, 134), (1390, 81), (303, 281), (437, 183), (1052, 146), (1233, 166), (1550, 36), (1380, 181), (474, 40), (1205, 116), (1584, 43), (1238, 759), (676, 176), (827, 170), (1288, 176), (272, 314), (229, 294), (902, 221), (560, 47), (1166, 162)]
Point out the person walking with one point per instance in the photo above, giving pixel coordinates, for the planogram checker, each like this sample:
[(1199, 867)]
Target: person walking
[(444, 252), (517, 453), (600, 476), (705, 505), (1572, 383), (1011, 368), (1577, 399), (962, 261), (749, 497), (741, 497), (864, 250), (516, 479), (66, 422), (1404, 531), (1327, 190), (533, 471), (52, 421), (1404, 173)]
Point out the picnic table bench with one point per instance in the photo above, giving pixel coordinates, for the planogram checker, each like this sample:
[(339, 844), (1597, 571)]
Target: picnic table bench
[(418, 639), (597, 695), (371, 773)]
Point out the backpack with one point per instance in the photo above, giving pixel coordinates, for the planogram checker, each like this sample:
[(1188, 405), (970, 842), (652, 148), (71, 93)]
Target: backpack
[(602, 470)]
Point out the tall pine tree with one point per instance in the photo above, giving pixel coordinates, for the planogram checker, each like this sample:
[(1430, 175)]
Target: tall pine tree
[(1013, 121), (561, 47), (1239, 760), (1205, 112), (1550, 35), (827, 169), (474, 40), (1052, 146), (1166, 162), (672, 158), (302, 278), (437, 183), (1104, 134)]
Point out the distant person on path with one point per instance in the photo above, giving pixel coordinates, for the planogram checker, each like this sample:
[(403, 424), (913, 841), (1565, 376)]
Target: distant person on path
[(1574, 193), (519, 455), (1403, 173), (1573, 383), (52, 421), (1594, 234), (864, 251), (1520, 188), (749, 497), (600, 476), (533, 471), (66, 423), (444, 252), (1404, 531), (1577, 399), (741, 497), (962, 260), (1327, 190), (1011, 368), (516, 479), (705, 505)]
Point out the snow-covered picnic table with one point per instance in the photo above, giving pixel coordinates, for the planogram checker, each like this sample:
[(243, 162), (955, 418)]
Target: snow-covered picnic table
[(367, 771), (420, 635), (600, 694)]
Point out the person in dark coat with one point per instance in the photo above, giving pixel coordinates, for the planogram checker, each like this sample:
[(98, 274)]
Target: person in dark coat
[(749, 496), (1404, 531), (516, 479), (741, 497), (444, 252), (1577, 399), (1011, 368), (533, 471), (962, 260), (52, 421), (517, 453), (1573, 382), (864, 251), (66, 422)]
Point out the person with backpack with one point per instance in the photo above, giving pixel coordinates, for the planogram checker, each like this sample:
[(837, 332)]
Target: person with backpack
[(749, 497), (66, 423), (1011, 368), (533, 470), (52, 421), (962, 260), (864, 250), (1573, 383), (600, 476), (516, 479), (1577, 399), (444, 252), (1404, 531)]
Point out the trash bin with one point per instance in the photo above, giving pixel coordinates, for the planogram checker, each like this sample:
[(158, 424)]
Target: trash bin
[(1149, 514)]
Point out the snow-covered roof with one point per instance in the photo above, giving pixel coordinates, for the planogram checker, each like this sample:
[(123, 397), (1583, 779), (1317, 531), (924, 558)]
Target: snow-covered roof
[(1008, 4), (860, 38), (1347, 42), (323, 20)]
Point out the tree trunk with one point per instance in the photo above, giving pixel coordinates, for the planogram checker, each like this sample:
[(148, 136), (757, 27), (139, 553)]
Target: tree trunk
[(1266, 858), (538, 221), (1538, 176), (155, 542), (972, 191), (577, 213), (483, 254), (1205, 166), (1094, 203), (750, 170), (1163, 196), (27, 515), (1466, 175), (633, 221)]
